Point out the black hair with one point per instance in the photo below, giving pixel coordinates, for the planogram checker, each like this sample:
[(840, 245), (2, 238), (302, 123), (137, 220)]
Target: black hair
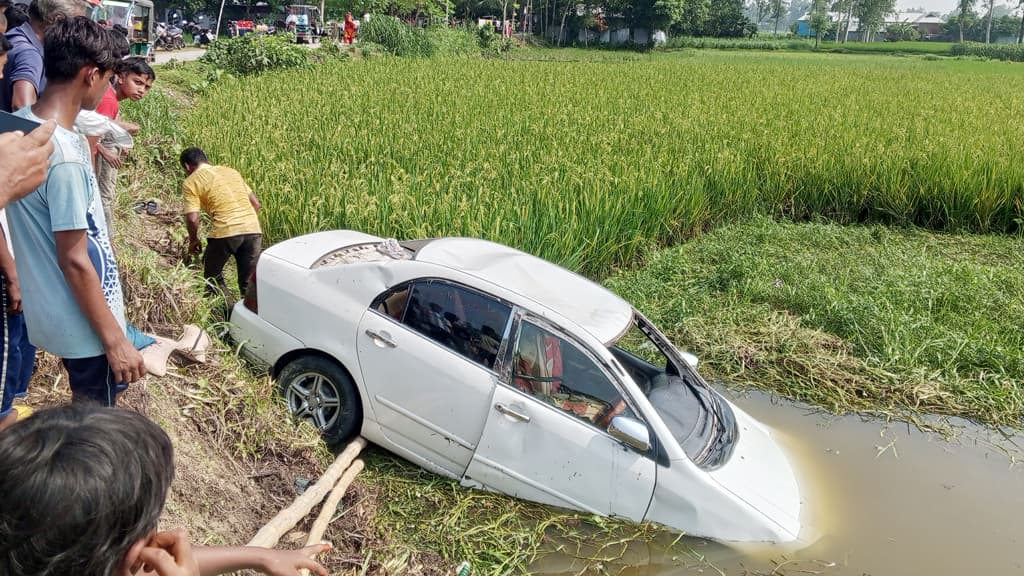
[(120, 30), (81, 484), (16, 16), (118, 42), (72, 44), (193, 157), (5, 45), (138, 65)]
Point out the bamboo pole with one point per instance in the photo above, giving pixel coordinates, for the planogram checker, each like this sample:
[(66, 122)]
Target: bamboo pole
[(287, 519), (316, 533)]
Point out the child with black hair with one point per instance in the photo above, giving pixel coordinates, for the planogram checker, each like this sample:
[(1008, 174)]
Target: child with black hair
[(84, 487), (71, 290)]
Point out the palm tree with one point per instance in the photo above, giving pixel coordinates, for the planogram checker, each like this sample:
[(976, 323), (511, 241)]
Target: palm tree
[(965, 6)]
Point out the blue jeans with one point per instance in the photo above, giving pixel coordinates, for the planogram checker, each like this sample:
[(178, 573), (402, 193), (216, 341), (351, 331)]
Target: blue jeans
[(92, 380), (17, 355)]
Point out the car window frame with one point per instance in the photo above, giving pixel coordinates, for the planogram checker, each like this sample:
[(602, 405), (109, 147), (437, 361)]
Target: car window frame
[(500, 355), (519, 315)]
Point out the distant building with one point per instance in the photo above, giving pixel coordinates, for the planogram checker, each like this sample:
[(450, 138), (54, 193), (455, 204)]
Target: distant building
[(929, 25)]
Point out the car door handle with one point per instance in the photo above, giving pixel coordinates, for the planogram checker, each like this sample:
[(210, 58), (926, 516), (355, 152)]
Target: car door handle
[(511, 413), (380, 338)]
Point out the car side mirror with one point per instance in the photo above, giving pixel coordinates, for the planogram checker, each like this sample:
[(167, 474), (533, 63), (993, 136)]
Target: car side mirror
[(630, 431), (689, 358)]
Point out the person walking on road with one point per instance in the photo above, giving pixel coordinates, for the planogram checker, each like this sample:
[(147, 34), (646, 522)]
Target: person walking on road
[(222, 193)]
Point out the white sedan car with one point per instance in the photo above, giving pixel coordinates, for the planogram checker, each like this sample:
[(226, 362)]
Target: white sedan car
[(509, 373)]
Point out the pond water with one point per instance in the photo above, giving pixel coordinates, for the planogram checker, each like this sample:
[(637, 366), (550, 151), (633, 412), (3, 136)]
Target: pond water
[(879, 499)]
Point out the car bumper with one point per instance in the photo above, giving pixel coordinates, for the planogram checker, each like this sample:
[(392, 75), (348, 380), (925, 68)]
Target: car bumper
[(260, 341)]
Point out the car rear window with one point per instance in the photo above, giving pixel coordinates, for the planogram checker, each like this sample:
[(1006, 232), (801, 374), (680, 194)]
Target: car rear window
[(465, 321)]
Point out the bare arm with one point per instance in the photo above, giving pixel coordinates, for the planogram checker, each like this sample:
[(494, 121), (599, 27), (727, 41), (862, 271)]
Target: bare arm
[(192, 223), (129, 127), (225, 559), (73, 259), (11, 273), (23, 94), (255, 202)]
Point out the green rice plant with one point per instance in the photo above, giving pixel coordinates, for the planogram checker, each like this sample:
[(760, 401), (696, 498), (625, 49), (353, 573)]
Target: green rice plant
[(590, 163), (1012, 52)]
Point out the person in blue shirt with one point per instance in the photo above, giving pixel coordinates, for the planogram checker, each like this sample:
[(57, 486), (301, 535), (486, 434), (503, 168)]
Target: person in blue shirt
[(71, 290), (24, 77)]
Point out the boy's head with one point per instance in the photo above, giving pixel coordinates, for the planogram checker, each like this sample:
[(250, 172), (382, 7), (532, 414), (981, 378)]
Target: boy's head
[(134, 79), (193, 158), (77, 51), (83, 488)]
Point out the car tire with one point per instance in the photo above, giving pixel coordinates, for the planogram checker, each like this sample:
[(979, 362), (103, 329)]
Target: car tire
[(320, 391)]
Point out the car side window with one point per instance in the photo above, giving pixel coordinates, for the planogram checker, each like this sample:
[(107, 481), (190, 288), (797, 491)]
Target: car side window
[(465, 321), (558, 372)]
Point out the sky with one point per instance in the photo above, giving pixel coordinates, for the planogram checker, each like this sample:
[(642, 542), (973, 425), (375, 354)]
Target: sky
[(940, 6)]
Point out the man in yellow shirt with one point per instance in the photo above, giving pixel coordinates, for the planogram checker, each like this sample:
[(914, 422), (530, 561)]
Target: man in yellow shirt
[(222, 193)]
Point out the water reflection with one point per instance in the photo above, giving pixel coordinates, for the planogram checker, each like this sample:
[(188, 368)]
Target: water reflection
[(880, 499)]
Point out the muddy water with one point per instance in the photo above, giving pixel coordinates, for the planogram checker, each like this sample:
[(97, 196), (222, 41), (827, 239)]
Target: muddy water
[(879, 499)]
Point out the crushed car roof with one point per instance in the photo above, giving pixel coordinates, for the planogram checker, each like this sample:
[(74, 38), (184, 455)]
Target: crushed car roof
[(595, 308)]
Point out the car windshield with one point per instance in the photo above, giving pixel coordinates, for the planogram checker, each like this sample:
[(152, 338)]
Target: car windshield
[(700, 420)]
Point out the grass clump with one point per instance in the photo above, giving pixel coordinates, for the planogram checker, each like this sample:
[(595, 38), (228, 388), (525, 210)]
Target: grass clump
[(255, 54), (1011, 52), (849, 318), (401, 39)]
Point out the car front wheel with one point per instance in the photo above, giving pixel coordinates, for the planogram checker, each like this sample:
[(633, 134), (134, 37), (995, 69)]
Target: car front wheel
[(319, 391)]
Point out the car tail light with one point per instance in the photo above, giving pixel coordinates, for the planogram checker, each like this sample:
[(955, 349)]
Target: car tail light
[(249, 299)]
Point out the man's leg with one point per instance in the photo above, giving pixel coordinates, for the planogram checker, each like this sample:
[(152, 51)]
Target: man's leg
[(23, 355), (92, 380), (245, 259), (216, 256), (8, 415), (106, 177)]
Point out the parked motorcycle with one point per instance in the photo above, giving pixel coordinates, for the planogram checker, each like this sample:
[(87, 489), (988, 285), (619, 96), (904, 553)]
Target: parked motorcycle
[(200, 36), (168, 37)]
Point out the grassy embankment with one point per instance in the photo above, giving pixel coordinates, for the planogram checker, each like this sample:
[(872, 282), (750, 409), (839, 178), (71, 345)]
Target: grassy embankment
[(789, 44), (594, 173)]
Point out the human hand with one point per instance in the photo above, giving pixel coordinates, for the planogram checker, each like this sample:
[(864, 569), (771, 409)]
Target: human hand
[(130, 127), (169, 554), (290, 562), (24, 161), (111, 156), (13, 295), (125, 362), (194, 246)]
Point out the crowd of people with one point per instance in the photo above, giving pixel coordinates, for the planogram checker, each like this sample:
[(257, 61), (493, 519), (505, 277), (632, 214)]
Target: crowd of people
[(84, 485)]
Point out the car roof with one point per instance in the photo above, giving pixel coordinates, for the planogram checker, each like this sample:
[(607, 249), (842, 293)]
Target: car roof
[(593, 307)]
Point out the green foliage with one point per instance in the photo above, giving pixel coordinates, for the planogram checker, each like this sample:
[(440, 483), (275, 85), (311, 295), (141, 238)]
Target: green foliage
[(849, 318), (255, 54), (557, 171), (1011, 52), (760, 43), (401, 39), (902, 32)]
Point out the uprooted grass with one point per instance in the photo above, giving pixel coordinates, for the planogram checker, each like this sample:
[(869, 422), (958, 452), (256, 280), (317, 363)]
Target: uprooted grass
[(870, 319)]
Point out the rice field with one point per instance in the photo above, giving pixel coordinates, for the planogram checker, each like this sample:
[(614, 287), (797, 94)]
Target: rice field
[(591, 163)]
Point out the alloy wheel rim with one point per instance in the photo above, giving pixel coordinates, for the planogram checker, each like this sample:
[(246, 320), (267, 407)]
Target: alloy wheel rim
[(313, 397)]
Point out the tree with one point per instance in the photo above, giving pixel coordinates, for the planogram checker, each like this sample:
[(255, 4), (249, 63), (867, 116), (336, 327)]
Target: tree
[(778, 11), (1020, 34), (871, 14), (819, 21), (726, 20), (988, 19), (965, 7), (764, 6)]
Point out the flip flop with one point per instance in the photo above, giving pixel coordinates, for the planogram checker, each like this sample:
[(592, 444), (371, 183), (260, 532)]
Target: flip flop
[(193, 344), (156, 355), (23, 411)]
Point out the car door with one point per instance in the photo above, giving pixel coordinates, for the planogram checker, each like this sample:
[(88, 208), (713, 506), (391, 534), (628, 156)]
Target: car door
[(427, 350), (545, 438)]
